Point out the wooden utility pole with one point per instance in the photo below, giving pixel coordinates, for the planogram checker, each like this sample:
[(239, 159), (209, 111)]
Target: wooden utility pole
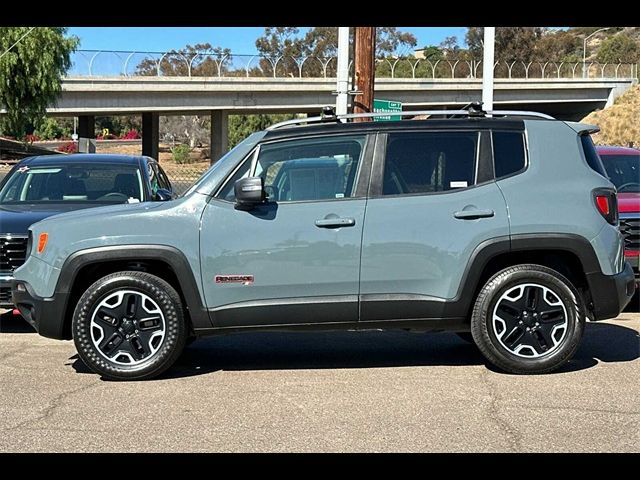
[(364, 62)]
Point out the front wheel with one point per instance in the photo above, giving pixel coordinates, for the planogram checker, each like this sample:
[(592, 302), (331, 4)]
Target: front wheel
[(129, 326), (528, 319)]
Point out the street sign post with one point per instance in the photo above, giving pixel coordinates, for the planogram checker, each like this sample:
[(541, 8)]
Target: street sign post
[(383, 106)]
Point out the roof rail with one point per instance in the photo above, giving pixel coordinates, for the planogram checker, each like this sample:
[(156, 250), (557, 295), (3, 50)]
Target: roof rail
[(349, 116)]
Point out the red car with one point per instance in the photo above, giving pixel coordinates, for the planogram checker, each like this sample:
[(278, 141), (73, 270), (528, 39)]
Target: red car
[(623, 167)]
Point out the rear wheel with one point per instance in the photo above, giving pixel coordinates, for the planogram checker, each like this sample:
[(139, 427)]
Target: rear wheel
[(528, 319), (129, 326)]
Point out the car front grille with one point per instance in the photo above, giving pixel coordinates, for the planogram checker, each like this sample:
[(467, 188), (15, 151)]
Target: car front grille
[(13, 252), (5, 296), (630, 228)]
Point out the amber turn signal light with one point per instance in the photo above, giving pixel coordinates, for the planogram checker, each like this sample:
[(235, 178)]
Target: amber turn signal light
[(42, 242)]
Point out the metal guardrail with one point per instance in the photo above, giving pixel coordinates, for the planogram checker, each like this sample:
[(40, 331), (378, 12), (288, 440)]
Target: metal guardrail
[(205, 64)]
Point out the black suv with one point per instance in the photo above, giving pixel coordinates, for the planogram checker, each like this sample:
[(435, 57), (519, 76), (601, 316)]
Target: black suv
[(43, 186)]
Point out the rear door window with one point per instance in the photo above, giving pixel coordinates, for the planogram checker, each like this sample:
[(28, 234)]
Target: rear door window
[(429, 162)]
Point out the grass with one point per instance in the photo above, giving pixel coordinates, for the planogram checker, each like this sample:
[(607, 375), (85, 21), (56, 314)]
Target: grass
[(619, 124)]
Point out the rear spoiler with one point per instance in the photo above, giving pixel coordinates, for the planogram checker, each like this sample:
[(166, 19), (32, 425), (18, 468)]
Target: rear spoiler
[(583, 128)]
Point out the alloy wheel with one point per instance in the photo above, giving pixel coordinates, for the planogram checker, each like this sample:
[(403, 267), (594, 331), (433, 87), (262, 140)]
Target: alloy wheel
[(127, 327), (530, 320)]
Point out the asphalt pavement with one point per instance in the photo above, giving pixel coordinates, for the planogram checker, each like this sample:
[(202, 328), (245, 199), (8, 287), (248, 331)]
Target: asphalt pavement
[(308, 392)]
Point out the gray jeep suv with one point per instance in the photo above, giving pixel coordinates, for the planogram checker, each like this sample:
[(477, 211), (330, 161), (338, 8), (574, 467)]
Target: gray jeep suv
[(502, 228)]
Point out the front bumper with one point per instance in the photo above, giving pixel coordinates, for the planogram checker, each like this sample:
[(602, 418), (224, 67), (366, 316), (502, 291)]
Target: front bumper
[(611, 293), (46, 315), (5, 291), (635, 264)]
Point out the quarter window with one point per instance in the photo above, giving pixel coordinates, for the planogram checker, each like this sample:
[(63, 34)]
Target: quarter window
[(591, 155), (508, 153), (429, 162)]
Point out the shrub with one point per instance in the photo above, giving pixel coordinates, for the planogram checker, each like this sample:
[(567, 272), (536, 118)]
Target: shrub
[(108, 136), (130, 135), (49, 129), (181, 154), (69, 147)]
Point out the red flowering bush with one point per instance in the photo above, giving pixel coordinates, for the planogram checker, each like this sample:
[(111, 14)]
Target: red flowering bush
[(32, 138), (69, 147), (130, 135)]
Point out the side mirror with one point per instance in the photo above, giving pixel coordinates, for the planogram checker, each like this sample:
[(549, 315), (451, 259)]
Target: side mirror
[(162, 195), (249, 192)]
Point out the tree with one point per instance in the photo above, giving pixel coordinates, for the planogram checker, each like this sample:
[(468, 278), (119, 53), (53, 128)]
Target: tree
[(620, 48), (559, 46), (512, 43), (31, 74), (432, 53), (201, 59), (191, 129), (390, 41), (286, 45), (241, 126)]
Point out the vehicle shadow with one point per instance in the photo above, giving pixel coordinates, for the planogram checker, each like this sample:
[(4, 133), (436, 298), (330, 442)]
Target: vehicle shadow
[(338, 350), (10, 323), (634, 304)]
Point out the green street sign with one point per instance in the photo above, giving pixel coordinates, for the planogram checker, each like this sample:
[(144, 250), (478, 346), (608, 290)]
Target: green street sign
[(384, 106)]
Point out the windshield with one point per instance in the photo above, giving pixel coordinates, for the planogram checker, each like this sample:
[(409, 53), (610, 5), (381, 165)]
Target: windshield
[(624, 171), (79, 183)]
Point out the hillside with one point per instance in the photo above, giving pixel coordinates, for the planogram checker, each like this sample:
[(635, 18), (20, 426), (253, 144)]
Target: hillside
[(620, 123)]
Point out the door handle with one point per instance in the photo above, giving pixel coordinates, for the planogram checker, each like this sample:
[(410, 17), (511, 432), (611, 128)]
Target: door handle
[(335, 222), (473, 214)]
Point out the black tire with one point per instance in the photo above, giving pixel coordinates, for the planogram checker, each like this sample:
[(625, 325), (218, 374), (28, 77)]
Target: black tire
[(466, 336), (570, 311), (151, 290)]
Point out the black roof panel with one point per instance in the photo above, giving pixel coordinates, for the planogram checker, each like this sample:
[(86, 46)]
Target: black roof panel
[(390, 126)]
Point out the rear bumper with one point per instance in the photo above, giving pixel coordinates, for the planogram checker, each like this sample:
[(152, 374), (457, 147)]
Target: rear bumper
[(611, 293), (46, 315)]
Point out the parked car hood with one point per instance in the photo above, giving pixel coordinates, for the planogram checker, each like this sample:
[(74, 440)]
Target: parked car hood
[(629, 202), (17, 218)]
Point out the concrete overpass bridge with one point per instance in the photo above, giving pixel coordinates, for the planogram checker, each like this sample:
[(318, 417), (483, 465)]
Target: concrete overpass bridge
[(156, 83), (87, 97)]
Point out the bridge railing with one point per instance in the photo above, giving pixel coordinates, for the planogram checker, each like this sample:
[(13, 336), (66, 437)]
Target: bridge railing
[(225, 65)]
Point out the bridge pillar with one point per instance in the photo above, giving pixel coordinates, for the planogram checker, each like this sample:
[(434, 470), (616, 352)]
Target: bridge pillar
[(151, 134), (219, 134), (86, 134), (86, 126)]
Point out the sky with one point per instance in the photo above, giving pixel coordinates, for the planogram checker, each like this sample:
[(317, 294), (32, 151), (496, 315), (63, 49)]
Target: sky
[(241, 40)]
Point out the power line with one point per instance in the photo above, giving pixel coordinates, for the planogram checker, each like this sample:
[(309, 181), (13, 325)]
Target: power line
[(17, 42)]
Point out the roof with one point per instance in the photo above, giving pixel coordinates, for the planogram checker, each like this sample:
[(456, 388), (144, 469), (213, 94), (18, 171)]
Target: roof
[(82, 158), (365, 127), (614, 150)]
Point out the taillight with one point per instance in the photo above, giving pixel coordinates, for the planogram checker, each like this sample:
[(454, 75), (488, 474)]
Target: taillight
[(607, 204)]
